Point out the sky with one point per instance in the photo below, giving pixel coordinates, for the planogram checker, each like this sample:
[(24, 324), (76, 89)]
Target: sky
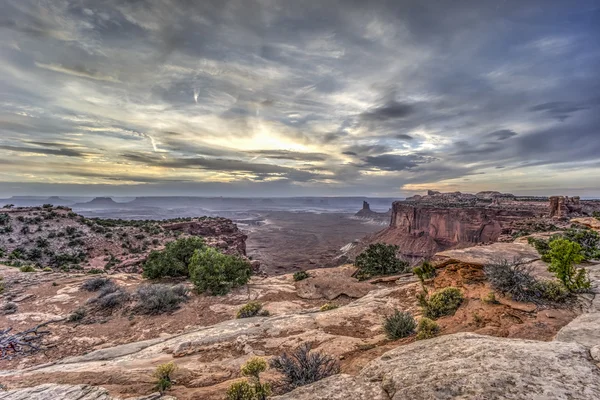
[(288, 98)]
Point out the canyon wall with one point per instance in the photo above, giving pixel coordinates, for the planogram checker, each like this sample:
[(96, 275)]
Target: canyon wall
[(421, 230)]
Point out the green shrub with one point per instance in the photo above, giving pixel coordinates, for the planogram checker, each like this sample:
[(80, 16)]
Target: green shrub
[(159, 299), (400, 324), (427, 328), (303, 367), (162, 374), (47, 269), (585, 237), (328, 307), (252, 389), (301, 275), (425, 271), (563, 256), (379, 259), (542, 246), (174, 260), (490, 298), (251, 309), (27, 268), (553, 291), (443, 302), (217, 273)]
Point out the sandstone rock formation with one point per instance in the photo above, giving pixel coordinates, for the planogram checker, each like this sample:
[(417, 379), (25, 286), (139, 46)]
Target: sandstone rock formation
[(564, 206), (423, 230), (49, 236), (367, 213), (467, 366)]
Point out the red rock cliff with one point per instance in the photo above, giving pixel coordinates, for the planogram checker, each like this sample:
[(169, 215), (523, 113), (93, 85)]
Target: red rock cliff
[(423, 230)]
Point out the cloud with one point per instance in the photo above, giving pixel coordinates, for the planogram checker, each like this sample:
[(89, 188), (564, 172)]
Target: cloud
[(394, 162), (336, 97), (390, 110), (502, 134), (78, 70), (46, 151)]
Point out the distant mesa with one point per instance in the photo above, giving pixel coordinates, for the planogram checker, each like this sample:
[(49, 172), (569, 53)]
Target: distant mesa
[(100, 202)]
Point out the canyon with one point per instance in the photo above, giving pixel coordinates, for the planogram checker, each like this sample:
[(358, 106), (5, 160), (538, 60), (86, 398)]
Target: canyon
[(499, 349)]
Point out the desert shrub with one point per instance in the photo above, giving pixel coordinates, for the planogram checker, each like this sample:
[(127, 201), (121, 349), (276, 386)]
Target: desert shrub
[(94, 271), (427, 328), (34, 254), (70, 230), (25, 230), (553, 291), (162, 374), (47, 206), (47, 269), (161, 263), (425, 271), (400, 324), (2, 286), (301, 275), (441, 303), (563, 255), (63, 259), (513, 279), (4, 219), (379, 259), (302, 367), (587, 238), (328, 307), (27, 268), (159, 298), (253, 389), (110, 297), (94, 284), (174, 260), (77, 315), (10, 308), (490, 298), (217, 273), (596, 214), (41, 242), (254, 367), (251, 309), (542, 246)]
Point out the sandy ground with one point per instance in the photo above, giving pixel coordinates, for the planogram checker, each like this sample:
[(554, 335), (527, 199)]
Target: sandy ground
[(293, 241)]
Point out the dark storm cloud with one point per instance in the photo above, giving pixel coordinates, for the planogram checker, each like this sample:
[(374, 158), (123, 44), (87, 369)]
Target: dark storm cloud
[(410, 91)]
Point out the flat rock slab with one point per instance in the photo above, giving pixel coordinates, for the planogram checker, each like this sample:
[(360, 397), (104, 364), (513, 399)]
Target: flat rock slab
[(332, 284), (52, 391), (495, 253), (468, 366), (584, 330)]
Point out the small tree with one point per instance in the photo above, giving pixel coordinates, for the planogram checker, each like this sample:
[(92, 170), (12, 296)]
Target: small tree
[(379, 259), (217, 273), (563, 255), (425, 271)]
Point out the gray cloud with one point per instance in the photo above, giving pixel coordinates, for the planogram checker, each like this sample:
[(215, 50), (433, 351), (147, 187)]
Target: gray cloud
[(341, 96)]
